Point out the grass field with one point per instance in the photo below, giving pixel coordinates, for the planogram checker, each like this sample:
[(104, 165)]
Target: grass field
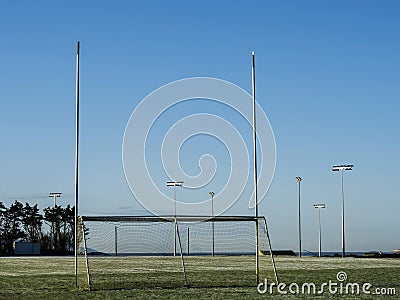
[(209, 278)]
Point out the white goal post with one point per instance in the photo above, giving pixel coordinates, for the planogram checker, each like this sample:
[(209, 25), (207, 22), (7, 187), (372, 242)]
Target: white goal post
[(120, 251)]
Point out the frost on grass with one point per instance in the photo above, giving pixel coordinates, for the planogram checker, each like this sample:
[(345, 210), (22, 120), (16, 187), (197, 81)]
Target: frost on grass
[(333, 263)]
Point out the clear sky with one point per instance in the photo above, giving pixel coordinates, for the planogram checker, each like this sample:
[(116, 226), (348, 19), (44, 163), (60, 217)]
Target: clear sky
[(328, 78)]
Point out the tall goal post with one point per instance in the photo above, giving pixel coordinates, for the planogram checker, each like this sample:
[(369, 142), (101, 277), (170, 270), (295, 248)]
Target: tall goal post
[(253, 80), (76, 164), (145, 259)]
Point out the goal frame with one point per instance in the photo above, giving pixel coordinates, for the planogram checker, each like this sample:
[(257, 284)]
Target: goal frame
[(177, 220)]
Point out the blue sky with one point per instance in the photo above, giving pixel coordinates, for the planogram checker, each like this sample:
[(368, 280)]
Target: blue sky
[(327, 78)]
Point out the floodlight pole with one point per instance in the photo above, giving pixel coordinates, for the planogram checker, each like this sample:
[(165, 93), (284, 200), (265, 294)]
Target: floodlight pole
[(319, 206), (174, 184), (174, 220), (76, 164), (253, 77), (298, 178), (212, 223), (343, 232), (115, 240), (343, 168), (55, 196)]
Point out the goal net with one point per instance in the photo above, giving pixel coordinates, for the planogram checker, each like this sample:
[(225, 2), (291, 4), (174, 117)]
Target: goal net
[(128, 252)]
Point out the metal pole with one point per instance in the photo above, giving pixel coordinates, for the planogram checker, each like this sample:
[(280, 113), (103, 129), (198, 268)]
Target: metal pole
[(299, 220), (270, 250), (212, 223), (253, 77), (319, 231), (319, 206), (76, 162), (343, 168), (116, 240), (298, 178), (188, 242), (182, 259), (55, 196), (175, 220), (89, 282), (174, 184), (343, 239)]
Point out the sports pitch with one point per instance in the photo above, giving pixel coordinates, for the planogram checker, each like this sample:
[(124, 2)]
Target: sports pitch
[(209, 278)]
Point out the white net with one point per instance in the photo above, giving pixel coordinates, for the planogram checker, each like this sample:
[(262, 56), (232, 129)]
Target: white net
[(120, 248), (146, 237)]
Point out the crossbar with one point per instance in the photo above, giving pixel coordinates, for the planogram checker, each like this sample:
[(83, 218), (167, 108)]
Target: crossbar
[(170, 218)]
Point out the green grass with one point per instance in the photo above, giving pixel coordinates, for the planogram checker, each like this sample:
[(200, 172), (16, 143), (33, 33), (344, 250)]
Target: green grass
[(209, 278)]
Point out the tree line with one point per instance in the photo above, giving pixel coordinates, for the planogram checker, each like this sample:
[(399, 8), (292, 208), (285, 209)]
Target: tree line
[(19, 221)]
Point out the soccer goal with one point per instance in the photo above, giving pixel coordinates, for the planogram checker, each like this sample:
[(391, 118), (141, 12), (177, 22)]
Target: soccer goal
[(136, 252)]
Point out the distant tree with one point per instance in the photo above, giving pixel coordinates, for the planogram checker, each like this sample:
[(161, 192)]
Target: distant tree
[(32, 222), (10, 227), (53, 216), (67, 235), (19, 221), (3, 210)]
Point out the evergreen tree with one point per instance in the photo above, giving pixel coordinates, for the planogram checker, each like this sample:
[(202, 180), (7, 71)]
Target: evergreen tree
[(10, 227), (32, 222)]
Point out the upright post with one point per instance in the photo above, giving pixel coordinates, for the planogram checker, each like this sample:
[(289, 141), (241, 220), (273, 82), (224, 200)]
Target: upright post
[(343, 168), (89, 282), (174, 184), (343, 238), (76, 163), (175, 230), (188, 241), (182, 259), (116, 240), (319, 206), (212, 222), (319, 232), (253, 77), (298, 178), (270, 250)]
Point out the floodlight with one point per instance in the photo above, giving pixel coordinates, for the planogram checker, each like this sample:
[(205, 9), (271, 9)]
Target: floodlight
[(343, 168), (175, 184), (319, 206), (55, 196)]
